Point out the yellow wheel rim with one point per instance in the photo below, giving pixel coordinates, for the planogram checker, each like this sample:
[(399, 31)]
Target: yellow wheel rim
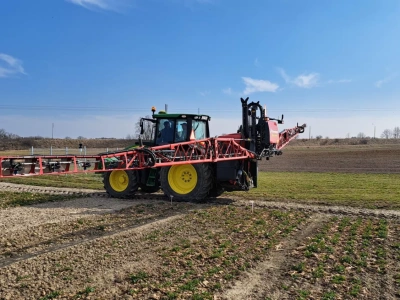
[(182, 178), (119, 180)]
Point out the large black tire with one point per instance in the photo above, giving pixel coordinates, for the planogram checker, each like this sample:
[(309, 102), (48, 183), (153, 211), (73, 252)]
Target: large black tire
[(187, 182), (120, 183), (216, 191)]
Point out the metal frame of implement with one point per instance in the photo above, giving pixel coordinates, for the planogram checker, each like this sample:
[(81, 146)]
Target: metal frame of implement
[(199, 151)]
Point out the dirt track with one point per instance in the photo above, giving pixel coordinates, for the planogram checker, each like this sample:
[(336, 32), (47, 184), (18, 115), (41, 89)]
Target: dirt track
[(88, 248)]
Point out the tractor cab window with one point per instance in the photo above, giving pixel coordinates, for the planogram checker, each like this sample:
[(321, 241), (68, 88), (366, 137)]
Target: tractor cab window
[(181, 130), (199, 129), (165, 132)]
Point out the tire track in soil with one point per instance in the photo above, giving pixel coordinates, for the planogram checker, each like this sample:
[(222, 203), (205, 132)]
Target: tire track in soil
[(266, 276), (43, 261), (387, 284), (8, 261), (14, 187), (225, 198), (325, 209)]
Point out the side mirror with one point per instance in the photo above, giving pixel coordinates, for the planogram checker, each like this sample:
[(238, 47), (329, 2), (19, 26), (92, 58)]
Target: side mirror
[(141, 126)]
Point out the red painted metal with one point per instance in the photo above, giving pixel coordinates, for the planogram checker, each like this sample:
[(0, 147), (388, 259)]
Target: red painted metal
[(287, 135), (200, 151)]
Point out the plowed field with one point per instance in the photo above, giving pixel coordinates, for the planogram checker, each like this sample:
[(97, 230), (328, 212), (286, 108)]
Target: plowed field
[(346, 158)]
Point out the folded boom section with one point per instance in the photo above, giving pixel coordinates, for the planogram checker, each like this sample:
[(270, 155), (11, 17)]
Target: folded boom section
[(199, 151), (287, 135)]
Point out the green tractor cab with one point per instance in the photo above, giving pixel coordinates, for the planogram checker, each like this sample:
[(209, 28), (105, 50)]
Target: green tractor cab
[(162, 129)]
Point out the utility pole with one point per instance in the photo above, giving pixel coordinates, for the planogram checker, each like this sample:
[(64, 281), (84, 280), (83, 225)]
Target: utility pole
[(166, 108), (52, 130), (374, 129), (309, 133)]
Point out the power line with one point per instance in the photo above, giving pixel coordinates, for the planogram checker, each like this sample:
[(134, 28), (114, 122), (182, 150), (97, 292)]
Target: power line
[(195, 110), (89, 108)]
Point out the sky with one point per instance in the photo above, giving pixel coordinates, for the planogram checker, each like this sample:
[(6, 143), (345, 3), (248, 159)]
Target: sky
[(92, 68)]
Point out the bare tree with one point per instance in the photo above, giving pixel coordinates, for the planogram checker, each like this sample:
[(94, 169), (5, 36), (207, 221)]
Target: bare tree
[(7, 135), (396, 132), (361, 135), (387, 134), (3, 134), (148, 129), (13, 136)]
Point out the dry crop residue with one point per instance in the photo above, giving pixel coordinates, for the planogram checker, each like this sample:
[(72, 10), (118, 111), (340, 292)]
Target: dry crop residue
[(102, 248)]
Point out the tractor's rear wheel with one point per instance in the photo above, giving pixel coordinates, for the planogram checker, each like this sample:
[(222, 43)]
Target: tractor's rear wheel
[(216, 191), (187, 182), (121, 183)]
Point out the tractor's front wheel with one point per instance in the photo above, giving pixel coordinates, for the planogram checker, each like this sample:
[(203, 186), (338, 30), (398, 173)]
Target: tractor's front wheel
[(121, 183), (187, 182)]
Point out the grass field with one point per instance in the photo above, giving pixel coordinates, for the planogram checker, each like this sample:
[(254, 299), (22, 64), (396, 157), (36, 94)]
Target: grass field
[(13, 199), (359, 190), (83, 181)]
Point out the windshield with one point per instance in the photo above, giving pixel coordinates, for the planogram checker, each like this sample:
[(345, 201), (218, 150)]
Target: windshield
[(165, 132), (199, 129), (179, 130)]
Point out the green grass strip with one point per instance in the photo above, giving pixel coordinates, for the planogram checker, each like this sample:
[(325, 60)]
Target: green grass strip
[(361, 190), (13, 199)]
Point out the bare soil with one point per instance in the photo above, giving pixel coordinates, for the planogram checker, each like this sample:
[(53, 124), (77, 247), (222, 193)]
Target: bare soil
[(227, 248), (336, 158)]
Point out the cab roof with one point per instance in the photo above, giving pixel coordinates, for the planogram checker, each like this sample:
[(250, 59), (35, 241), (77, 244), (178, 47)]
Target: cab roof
[(161, 115)]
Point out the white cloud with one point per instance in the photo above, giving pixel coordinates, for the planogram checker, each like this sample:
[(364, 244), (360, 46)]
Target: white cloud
[(303, 81), (114, 5), (256, 62), (258, 85), (379, 83), (10, 66), (307, 81), (227, 91)]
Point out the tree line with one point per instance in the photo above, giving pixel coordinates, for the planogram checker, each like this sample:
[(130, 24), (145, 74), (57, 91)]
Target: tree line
[(391, 133), (4, 135)]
